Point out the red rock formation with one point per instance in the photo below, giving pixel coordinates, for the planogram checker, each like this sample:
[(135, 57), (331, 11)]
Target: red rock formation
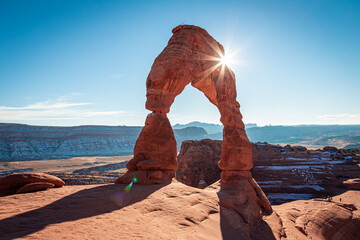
[(191, 56), (156, 143), (37, 186), (11, 183)]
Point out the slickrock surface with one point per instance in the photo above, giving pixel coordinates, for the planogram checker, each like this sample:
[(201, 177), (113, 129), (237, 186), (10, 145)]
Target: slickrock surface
[(284, 173), (336, 219), (191, 56), (173, 211)]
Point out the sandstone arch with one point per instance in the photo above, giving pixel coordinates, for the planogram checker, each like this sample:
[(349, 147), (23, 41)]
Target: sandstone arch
[(191, 56)]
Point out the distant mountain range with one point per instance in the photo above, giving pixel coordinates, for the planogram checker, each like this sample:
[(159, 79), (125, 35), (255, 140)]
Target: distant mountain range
[(20, 142), (313, 136), (211, 128)]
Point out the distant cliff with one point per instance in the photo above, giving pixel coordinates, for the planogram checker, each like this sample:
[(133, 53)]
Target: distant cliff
[(20, 142)]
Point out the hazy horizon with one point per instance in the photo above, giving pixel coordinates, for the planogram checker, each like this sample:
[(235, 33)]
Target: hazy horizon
[(66, 63), (257, 125)]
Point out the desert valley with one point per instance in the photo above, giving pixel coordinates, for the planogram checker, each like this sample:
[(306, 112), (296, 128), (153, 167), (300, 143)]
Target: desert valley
[(314, 195), (181, 120), (81, 183)]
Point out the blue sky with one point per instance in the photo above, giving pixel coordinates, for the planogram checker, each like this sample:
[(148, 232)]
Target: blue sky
[(86, 62)]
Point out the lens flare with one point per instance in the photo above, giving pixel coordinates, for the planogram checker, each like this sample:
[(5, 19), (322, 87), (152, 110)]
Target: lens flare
[(128, 187), (119, 198)]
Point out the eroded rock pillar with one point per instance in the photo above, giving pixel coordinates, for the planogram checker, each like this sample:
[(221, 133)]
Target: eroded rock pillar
[(236, 154), (155, 153)]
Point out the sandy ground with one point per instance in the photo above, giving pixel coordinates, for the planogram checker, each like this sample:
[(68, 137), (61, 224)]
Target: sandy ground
[(62, 165)]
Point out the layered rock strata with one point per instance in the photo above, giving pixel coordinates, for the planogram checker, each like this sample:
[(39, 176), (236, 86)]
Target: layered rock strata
[(20, 142), (191, 56)]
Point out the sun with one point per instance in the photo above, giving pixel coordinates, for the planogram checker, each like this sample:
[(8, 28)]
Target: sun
[(225, 60)]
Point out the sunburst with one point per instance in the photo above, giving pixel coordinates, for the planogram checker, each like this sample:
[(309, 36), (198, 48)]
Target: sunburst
[(222, 60)]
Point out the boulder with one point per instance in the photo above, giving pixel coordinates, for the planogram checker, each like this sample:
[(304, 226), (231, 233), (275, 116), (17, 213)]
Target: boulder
[(11, 183), (330, 149)]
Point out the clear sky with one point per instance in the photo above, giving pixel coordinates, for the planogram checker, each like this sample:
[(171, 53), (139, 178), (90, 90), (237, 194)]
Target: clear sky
[(86, 62)]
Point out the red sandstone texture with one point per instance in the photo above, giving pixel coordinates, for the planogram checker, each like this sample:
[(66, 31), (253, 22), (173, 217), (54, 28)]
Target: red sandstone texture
[(173, 211), (191, 56), (14, 182), (319, 219)]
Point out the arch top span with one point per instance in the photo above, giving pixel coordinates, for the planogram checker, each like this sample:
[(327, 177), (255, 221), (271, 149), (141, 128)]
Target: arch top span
[(192, 56)]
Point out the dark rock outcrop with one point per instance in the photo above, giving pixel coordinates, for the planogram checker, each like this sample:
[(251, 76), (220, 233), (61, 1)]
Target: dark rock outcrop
[(199, 158), (284, 173)]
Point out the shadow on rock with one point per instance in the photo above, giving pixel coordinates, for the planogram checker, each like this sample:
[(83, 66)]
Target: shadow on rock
[(242, 214), (83, 204)]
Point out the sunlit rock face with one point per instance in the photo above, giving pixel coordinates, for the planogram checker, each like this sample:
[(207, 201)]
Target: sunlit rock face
[(319, 219), (191, 56), (157, 143)]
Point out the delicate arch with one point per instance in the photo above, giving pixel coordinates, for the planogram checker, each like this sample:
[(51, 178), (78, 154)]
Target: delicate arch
[(191, 56)]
